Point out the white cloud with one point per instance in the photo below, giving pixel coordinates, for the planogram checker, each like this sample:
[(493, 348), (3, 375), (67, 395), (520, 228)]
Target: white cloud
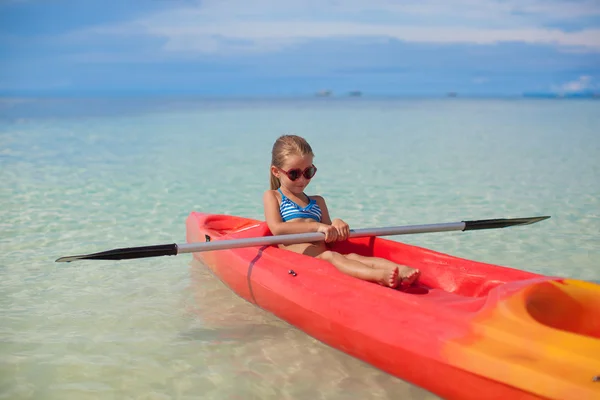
[(583, 83), (483, 10), (17, 84), (234, 26)]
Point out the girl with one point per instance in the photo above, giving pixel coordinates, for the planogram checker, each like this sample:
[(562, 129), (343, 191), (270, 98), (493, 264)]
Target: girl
[(288, 210)]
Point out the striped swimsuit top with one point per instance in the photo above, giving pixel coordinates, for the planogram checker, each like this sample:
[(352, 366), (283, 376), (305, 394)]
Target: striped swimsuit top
[(290, 210)]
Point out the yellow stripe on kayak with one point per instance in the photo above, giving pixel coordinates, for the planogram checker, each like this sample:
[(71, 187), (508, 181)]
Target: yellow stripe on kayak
[(543, 339)]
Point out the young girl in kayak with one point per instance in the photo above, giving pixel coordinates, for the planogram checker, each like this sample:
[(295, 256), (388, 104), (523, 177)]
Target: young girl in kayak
[(289, 210)]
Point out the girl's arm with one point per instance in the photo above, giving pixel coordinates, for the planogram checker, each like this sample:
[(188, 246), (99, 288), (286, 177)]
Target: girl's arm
[(276, 224), (325, 218), (342, 228)]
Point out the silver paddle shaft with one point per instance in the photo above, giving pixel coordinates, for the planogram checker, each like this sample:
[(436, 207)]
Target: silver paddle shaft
[(315, 237)]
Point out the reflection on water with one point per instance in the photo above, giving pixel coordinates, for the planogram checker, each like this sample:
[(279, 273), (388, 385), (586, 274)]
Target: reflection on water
[(256, 355)]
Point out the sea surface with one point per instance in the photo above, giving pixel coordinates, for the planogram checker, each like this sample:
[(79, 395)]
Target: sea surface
[(86, 175)]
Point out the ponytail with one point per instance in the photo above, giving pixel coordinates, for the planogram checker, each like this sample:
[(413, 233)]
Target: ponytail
[(275, 184)]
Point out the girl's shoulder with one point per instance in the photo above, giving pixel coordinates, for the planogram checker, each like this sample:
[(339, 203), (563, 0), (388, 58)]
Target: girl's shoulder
[(318, 198), (270, 194)]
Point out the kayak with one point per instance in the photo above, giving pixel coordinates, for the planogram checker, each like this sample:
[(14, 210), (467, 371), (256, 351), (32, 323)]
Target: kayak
[(465, 330)]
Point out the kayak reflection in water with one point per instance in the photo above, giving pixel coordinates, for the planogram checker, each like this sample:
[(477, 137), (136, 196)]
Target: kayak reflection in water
[(289, 210)]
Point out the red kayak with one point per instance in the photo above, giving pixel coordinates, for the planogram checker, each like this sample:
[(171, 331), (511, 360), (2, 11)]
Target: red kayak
[(467, 330)]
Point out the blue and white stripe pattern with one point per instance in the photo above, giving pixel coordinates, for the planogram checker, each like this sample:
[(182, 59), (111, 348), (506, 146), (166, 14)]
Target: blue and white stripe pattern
[(290, 210)]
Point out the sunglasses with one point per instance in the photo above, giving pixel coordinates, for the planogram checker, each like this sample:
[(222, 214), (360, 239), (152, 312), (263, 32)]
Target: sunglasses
[(294, 174)]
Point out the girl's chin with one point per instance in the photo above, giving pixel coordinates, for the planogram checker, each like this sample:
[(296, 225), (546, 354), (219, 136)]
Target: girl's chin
[(297, 189)]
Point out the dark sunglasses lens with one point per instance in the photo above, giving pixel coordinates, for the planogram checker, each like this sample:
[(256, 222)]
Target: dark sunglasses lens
[(310, 172), (294, 174)]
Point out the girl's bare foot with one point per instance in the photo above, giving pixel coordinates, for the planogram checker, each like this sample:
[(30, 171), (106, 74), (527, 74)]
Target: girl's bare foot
[(407, 275), (388, 277)]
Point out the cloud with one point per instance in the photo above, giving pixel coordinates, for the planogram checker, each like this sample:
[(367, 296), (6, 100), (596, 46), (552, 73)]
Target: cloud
[(509, 12), (480, 80), (29, 85), (582, 84), (380, 46), (234, 26)]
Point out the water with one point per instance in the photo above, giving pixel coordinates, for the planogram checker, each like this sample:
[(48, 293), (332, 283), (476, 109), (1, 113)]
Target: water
[(85, 175)]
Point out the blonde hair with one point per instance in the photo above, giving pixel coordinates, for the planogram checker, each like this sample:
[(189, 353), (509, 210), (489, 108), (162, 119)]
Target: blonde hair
[(285, 146)]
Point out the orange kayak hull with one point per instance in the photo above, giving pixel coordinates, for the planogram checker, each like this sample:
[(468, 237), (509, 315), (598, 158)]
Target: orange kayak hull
[(467, 330)]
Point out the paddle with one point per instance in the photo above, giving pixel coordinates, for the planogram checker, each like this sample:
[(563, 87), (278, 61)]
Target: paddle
[(174, 249)]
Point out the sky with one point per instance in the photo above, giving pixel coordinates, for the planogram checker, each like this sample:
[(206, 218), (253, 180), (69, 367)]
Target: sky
[(299, 47)]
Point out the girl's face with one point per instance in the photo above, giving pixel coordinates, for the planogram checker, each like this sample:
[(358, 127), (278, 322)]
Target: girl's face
[(295, 165)]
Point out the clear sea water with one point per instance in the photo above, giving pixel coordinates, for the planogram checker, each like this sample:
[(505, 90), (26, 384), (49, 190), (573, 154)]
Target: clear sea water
[(85, 175)]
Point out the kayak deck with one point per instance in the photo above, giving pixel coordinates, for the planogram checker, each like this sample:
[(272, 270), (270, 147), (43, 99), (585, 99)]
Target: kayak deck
[(465, 327)]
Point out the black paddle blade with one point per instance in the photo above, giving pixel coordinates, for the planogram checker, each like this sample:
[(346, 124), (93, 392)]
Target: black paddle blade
[(127, 253), (501, 223)]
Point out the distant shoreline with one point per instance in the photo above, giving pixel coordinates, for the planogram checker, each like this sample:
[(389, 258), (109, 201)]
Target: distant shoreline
[(19, 98), (23, 108)]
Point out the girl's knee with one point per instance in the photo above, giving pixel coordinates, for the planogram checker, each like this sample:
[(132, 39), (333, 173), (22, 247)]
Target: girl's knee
[(328, 255)]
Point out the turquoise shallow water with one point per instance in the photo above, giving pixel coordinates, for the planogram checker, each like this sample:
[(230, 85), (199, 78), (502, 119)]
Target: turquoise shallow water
[(82, 176)]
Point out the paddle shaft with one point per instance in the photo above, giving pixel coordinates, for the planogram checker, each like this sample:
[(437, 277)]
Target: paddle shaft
[(315, 237)]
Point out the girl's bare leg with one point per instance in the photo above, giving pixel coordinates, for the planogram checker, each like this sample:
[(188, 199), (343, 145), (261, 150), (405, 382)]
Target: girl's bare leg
[(407, 275), (386, 276)]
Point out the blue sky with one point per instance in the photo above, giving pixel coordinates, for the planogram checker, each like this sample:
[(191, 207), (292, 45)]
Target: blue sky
[(283, 47)]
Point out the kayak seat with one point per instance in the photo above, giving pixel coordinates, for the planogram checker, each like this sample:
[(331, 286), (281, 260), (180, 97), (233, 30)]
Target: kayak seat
[(567, 305), (220, 225)]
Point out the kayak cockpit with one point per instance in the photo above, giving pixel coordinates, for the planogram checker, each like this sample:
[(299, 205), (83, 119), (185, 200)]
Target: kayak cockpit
[(567, 305), (461, 277), (441, 274)]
